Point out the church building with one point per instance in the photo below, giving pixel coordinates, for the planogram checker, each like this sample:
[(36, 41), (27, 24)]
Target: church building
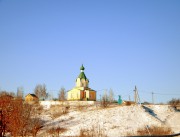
[(82, 90)]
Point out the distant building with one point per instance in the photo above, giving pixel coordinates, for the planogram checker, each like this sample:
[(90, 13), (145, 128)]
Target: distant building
[(82, 90), (31, 97)]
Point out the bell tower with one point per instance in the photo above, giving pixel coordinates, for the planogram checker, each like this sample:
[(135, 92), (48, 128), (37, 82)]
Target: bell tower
[(82, 80)]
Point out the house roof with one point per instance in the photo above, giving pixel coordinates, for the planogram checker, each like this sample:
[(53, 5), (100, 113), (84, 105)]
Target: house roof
[(32, 95)]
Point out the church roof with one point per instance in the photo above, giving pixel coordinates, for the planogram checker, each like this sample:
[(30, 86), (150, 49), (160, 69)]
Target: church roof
[(82, 74)]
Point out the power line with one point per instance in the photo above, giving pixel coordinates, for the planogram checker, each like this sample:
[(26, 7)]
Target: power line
[(165, 94), (159, 93)]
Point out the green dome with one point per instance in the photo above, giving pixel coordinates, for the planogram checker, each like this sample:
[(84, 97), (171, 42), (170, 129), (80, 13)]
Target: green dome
[(82, 76), (82, 67)]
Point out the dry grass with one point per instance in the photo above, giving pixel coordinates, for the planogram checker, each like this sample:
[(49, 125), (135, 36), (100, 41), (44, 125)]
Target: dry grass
[(58, 110), (93, 132), (153, 130), (55, 132), (80, 107), (104, 103), (56, 115), (128, 103)]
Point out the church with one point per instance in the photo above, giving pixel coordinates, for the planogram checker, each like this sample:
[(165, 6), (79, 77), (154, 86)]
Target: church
[(82, 90)]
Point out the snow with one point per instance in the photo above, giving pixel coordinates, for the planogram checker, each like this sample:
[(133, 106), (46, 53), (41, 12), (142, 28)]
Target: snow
[(174, 122), (48, 104), (115, 121)]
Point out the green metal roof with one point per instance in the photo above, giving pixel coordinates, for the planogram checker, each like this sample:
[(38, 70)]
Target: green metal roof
[(82, 76)]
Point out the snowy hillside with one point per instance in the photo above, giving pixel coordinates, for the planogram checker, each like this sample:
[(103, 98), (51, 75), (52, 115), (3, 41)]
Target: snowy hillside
[(112, 121)]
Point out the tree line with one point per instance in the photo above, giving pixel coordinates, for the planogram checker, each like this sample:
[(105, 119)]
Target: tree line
[(41, 92)]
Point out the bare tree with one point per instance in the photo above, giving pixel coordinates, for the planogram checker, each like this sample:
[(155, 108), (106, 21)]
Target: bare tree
[(37, 91), (40, 91), (62, 94), (12, 94), (44, 93), (111, 96), (174, 102), (20, 92), (104, 101)]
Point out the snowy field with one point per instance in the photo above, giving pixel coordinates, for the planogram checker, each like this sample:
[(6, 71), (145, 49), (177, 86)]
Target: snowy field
[(112, 121)]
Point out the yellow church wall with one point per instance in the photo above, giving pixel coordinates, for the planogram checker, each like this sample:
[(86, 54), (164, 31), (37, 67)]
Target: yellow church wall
[(81, 94), (78, 82), (81, 83), (74, 94)]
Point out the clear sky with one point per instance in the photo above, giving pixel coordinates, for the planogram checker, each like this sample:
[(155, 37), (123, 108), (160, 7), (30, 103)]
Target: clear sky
[(122, 43)]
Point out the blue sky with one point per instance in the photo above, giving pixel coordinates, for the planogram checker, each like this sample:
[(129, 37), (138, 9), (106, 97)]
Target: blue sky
[(121, 43)]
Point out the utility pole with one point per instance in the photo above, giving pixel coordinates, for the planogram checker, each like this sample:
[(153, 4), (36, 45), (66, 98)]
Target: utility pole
[(129, 98), (153, 97), (136, 96)]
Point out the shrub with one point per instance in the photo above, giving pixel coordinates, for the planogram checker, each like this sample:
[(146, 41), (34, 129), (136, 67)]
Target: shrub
[(14, 114), (80, 107), (105, 102), (34, 126), (154, 130), (56, 131), (57, 110), (17, 117), (93, 132), (57, 114), (128, 103), (174, 102), (37, 108)]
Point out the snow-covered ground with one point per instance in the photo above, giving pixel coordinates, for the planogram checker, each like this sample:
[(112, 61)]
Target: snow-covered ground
[(113, 121)]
